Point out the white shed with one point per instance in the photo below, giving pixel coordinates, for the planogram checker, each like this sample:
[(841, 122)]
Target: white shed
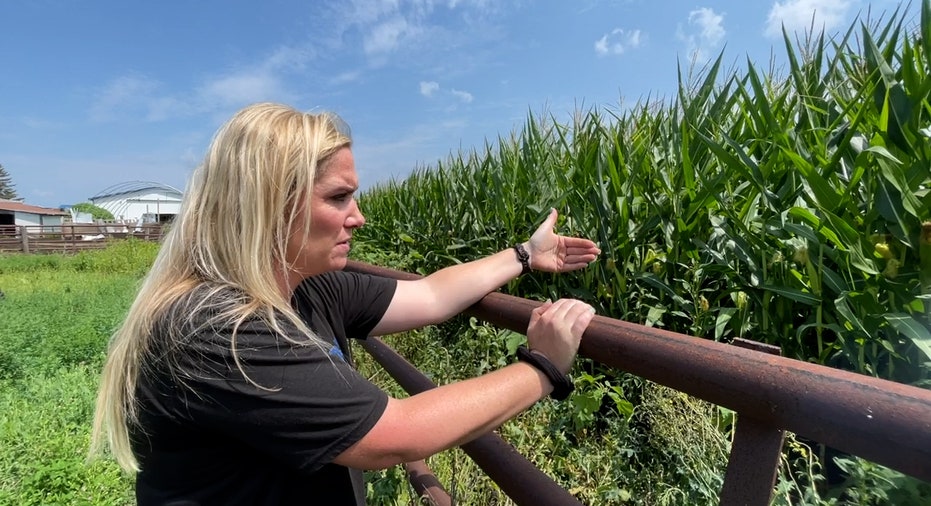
[(18, 213), (140, 202)]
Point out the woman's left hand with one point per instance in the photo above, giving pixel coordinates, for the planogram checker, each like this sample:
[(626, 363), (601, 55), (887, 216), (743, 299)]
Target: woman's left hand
[(550, 252)]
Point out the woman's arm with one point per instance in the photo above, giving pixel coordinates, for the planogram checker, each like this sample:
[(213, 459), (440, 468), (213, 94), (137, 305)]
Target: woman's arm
[(450, 415), (449, 291), (416, 427)]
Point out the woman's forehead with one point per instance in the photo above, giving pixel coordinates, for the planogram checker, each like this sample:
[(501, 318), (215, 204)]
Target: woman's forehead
[(339, 171)]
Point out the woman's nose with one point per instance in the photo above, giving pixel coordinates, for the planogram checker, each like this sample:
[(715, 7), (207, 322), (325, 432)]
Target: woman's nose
[(356, 219)]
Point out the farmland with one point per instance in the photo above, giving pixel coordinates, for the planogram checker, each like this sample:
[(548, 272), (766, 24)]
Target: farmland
[(789, 206)]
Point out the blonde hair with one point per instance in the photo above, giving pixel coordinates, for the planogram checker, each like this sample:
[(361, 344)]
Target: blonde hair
[(232, 232)]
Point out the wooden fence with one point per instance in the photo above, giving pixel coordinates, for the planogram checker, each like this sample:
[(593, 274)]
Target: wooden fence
[(71, 237)]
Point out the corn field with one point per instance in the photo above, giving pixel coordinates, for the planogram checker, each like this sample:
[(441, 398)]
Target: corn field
[(790, 206)]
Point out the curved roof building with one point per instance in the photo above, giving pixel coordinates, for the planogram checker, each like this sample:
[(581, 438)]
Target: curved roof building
[(140, 201)]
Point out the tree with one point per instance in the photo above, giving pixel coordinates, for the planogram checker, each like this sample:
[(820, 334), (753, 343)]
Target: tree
[(6, 185), (97, 212)]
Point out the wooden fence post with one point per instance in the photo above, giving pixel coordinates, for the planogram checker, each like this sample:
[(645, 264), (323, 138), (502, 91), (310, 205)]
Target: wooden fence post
[(24, 234)]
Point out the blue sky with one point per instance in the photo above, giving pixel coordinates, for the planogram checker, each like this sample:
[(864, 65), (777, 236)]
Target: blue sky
[(99, 93)]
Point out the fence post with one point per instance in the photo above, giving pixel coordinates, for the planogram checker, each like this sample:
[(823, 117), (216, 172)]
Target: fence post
[(24, 235), (754, 460)]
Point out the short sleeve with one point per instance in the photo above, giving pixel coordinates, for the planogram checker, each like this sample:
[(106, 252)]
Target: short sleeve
[(350, 303)]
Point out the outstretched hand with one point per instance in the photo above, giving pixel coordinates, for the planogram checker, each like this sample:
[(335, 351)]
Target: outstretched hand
[(550, 252)]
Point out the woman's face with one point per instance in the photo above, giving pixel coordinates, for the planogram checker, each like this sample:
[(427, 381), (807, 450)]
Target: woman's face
[(334, 215)]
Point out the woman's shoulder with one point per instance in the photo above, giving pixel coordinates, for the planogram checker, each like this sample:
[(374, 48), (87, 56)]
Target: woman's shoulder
[(341, 283), (210, 315)]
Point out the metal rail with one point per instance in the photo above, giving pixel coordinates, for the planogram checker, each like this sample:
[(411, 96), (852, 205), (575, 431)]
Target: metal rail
[(882, 421), (516, 475)]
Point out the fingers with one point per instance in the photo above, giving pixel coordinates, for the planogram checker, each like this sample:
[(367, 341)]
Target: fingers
[(579, 244), (574, 266), (582, 248), (537, 313), (556, 330), (569, 312), (548, 224), (550, 221), (539, 310), (582, 321)]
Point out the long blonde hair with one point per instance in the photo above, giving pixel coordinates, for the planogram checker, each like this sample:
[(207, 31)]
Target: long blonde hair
[(232, 232)]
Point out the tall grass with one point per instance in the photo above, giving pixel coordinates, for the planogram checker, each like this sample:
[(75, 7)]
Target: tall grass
[(787, 210), (56, 315)]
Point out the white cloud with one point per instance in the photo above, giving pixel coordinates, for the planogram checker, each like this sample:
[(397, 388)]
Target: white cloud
[(800, 15), (241, 88), (386, 36), (387, 29), (462, 95), (618, 41), (711, 25), (289, 58), (433, 89), (139, 97), (345, 77), (484, 5), (428, 88), (122, 94), (704, 34)]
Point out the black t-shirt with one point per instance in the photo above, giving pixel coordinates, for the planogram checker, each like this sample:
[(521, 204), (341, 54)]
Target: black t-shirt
[(208, 435)]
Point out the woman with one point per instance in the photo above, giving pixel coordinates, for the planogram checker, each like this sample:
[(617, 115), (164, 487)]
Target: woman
[(229, 382)]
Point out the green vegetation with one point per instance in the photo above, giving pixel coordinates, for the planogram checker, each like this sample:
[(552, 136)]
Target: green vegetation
[(662, 447), (7, 188), (56, 315), (792, 210), (788, 211), (97, 212)]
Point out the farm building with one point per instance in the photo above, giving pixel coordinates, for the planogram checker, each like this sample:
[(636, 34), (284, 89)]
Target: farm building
[(17, 213), (140, 202)]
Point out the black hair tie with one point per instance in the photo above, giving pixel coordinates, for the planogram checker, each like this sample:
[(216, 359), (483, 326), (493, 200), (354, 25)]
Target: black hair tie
[(562, 383)]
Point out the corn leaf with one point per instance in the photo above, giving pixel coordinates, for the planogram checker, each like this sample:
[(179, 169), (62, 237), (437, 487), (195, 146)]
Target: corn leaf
[(911, 328), (806, 298)]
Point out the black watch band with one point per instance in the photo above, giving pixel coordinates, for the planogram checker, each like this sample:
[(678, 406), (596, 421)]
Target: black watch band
[(523, 257), (562, 383)]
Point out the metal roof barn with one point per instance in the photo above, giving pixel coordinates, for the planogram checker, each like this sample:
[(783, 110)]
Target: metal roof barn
[(18, 213), (140, 202)]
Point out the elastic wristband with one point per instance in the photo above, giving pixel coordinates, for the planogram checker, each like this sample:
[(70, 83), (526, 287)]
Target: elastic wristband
[(562, 384), (523, 257)]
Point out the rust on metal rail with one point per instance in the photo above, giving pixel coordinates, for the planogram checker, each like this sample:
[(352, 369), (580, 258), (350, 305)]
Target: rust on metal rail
[(886, 422)]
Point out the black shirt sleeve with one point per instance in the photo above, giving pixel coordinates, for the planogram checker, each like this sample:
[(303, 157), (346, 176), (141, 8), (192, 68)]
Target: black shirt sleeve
[(341, 305)]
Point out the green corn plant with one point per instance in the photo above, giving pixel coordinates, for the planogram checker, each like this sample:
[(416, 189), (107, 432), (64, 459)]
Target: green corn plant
[(790, 209)]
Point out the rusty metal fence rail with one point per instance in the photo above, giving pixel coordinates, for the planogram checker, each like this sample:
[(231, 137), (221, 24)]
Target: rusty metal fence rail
[(882, 421)]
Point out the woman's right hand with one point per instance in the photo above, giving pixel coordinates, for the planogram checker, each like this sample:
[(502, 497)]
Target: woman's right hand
[(556, 329), (440, 418)]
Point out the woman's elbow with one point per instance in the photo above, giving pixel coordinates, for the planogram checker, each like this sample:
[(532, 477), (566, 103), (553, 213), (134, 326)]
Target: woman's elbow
[(392, 441)]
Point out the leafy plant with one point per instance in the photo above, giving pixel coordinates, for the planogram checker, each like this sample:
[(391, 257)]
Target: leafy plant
[(97, 212)]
